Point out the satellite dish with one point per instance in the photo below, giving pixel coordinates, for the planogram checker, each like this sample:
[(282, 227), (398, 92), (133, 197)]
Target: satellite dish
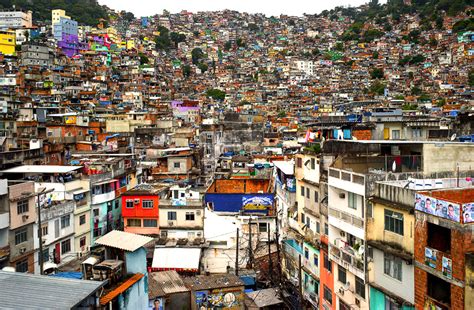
[(346, 286), (361, 250), (394, 166), (453, 137)]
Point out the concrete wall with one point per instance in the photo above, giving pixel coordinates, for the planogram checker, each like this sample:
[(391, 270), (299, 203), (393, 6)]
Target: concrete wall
[(442, 157)]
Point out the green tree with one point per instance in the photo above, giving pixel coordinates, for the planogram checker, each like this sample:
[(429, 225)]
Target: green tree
[(471, 78), (240, 42), (197, 54), (216, 94), (377, 88), (203, 67), (177, 38), (281, 114), (375, 55), (339, 46), (227, 45), (186, 70), (143, 59), (376, 73)]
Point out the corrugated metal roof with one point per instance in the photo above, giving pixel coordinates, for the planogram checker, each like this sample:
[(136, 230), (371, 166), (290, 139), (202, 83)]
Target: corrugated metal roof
[(176, 258), (121, 288), (165, 283), (42, 169), (28, 291), (123, 240)]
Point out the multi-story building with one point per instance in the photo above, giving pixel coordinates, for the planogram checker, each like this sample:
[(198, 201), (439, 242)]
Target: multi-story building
[(140, 209), (4, 223), (15, 19), (35, 54), (65, 29), (56, 16), (444, 249), (7, 43)]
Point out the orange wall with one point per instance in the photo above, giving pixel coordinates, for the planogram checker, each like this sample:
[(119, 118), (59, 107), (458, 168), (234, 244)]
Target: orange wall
[(327, 279), (137, 211)]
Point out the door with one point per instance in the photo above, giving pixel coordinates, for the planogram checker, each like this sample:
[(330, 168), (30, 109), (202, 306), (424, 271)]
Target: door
[(57, 253)]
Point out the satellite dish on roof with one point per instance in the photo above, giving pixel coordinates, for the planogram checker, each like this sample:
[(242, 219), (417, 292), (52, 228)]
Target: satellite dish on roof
[(453, 137), (394, 166)]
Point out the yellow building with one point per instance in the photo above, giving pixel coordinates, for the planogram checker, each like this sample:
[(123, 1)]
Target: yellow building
[(56, 16), (7, 43), (130, 44), (113, 34)]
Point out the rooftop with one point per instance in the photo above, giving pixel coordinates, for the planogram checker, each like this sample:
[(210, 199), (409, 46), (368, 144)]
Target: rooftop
[(42, 169), (164, 283), (27, 291), (202, 282), (123, 240)]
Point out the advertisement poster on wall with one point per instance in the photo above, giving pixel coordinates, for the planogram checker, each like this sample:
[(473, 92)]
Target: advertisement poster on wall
[(468, 213), (430, 257), (256, 203), (447, 267), (438, 207)]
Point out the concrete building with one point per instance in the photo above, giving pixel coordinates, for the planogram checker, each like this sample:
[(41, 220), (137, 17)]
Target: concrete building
[(33, 54), (15, 19), (7, 43), (56, 16), (65, 29)]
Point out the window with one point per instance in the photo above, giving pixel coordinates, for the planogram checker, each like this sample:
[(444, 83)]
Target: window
[(22, 266), (370, 211), (299, 162), (65, 221), (439, 237), (343, 305), (177, 165), (262, 227), (327, 263), (147, 204), (416, 132), (395, 134), (326, 229), (44, 230), (96, 212), (302, 218), (392, 266), (21, 236), (352, 200), (189, 216), (318, 227), (117, 204), (22, 206), (390, 304), (327, 294), (82, 242), (307, 193), (341, 275), (360, 287), (315, 260), (313, 163), (134, 223), (394, 222), (302, 191), (316, 196), (438, 289), (82, 219), (171, 216), (45, 255), (306, 253), (150, 223), (129, 204), (66, 246)]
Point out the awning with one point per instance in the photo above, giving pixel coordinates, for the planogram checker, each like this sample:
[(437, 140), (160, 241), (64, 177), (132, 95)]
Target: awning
[(49, 265), (176, 259), (91, 261), (105, 182), (78, 191), (122, 288)]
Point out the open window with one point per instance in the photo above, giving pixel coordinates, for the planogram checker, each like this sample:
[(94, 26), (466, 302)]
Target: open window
[(439, 238)]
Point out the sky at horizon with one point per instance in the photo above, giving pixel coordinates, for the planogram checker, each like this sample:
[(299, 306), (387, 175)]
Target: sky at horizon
[(268, 7)]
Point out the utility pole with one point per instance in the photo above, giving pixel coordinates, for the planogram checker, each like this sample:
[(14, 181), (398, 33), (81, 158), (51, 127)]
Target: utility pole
[(277, 238), (40, 231), (250, 243), (300, 285), (237, 254), (270, 265)]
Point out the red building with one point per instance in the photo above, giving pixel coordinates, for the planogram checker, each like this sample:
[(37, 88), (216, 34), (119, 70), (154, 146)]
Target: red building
[(140, 209)]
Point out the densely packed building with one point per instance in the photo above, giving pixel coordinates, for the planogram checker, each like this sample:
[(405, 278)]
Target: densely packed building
[(225, 160)]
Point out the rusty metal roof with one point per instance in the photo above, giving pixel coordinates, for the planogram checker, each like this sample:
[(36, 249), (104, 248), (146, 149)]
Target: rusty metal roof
[(121, 288)]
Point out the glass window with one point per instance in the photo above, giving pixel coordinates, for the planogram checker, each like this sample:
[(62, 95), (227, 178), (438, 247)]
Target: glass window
[(150, 223), (302, 191), (315, 260), (390, 304), (82, 219), (22, 266), (352, 198), (21, 236), (307, 193), (189, 216), (341, 275), (171, 216), (306, 253), (262, 227), (313, 163), (359, 287), (316, 196), (147, 204), (327, 263), (302, 218), (326, 229), (395, 134), (22, 206), (177, 165), (65, 221), (129, 203), (134, 223), (82, 242), (318, 227), (44, 229), (66, 246), (394, 222), (392, 266), (327, 294), (299, 162)]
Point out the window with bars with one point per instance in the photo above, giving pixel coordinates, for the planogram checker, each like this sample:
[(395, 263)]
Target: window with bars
[(150, 223), (359, 287), (66, 246), (21, 236), (172, 216), (327, 294), (134, 223), (189, 216), (394, 222), (65, 221), (129, 204), (22, 266), (147, 204), (341, 275)]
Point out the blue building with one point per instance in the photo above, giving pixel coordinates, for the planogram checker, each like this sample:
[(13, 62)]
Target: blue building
[(65, 28)]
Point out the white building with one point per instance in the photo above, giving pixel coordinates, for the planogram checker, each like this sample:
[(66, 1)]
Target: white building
[(15, 19)]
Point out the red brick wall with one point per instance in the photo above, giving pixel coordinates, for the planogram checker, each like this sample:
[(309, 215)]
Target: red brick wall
[(365, 134)]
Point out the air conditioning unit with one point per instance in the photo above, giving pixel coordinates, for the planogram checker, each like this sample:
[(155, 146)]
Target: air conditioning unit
[(198, 212), (357, 302), (342, 195), (25, 217), (341, 291), (199, 234), (170, 223), (136, 201), (22, 250)]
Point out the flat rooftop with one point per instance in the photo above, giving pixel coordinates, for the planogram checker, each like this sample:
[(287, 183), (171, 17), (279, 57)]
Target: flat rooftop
[(42, 169)]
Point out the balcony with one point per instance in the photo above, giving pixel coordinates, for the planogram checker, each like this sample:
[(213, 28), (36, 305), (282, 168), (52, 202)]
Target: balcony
[(292, 248), (101, 198), (96, 178), (345, 256), (57, 210), (344, 179), (19, 156), (4, 220)]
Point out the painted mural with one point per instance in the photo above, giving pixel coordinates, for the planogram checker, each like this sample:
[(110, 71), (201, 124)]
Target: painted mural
[(219, 299), (438, 207), (256, 203)]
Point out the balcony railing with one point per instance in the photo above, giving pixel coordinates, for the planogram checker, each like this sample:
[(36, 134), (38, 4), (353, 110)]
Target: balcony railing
[(57, 210), (347, 176), (101, 198), (348, 260), (346, 217), (96, 178)]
